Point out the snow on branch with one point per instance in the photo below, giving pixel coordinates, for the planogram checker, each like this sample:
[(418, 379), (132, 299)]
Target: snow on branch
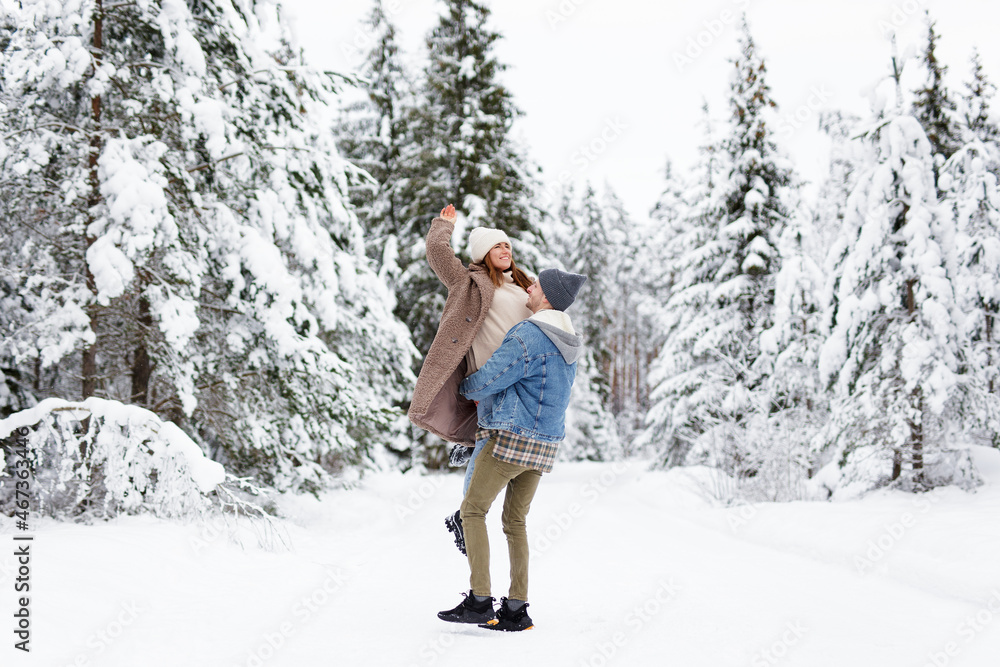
[(103, 458)]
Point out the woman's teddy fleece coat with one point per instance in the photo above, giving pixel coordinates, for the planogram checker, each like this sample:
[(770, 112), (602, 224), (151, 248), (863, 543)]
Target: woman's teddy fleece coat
[(437, 406)]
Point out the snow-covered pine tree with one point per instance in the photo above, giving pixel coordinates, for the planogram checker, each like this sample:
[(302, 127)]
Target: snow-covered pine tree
[(685, 198), (612, 250), (88, 216), (673, 421), (847, 155), (725, 300), (185, 239), (373, 136), (462, 152), (670, 225), (978, 97), (892, 353), (591, 434), (933, 105), (631, 252), (754, 216), (754, 195), (670, 234), (590, 427), (972, 198), (587, 248), (789, 353), (470, 114)]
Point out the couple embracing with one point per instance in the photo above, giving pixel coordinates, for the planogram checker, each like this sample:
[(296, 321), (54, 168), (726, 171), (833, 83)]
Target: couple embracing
[(496, 381)]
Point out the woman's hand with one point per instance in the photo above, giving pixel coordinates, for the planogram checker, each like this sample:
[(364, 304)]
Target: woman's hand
[(449, 214)]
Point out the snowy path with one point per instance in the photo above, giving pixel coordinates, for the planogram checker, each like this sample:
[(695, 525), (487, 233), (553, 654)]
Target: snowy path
[(629, 567)]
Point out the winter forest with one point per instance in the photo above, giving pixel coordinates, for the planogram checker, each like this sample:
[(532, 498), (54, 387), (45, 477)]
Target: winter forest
[(213, 281)]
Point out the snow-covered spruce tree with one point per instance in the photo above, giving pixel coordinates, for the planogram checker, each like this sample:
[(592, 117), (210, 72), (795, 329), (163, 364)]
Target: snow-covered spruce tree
[(462, 151), (590, 428), (586, 250), (373, 136), (591, 434), (189, 223), (671, 222), (622, 331), (690, 258), (847, 157), (605, 244), (804, 293), (44, 285), (686, 199), (976, 102), (666, 244), (789, 359), (972, 198), (670, 236), (933, 105), (631, 331), (725, 299), (892, 352), (754, 214)]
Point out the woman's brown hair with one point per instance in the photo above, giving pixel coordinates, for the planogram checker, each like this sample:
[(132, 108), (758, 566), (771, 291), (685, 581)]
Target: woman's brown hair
[(521, 278)]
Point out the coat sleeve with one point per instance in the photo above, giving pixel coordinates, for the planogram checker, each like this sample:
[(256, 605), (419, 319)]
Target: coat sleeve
[(448, 268), (505, 367)]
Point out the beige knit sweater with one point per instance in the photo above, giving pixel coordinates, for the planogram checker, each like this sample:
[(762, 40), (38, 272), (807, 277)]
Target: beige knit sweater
[(509, 307)]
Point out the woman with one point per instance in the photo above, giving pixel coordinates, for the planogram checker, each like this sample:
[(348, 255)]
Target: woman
[(484, 301)]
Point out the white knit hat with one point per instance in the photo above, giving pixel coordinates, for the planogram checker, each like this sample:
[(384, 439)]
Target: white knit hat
[(482, 240), (560, 287)]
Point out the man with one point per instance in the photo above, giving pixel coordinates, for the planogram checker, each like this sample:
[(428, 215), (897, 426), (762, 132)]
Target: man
[(523, 390)]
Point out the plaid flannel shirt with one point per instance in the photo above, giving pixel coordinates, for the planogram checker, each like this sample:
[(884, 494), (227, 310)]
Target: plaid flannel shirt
[(512, 448)]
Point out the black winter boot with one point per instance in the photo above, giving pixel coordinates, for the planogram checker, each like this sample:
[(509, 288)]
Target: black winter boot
[(460, 455), (469, 611), (508, 620), (454, 524)]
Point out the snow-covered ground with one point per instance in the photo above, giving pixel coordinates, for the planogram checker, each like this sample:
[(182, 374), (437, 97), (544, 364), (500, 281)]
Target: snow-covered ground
[(630, 567)]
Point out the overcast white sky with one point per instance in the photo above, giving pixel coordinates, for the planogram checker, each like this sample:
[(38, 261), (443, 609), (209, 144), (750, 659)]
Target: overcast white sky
[(627, 78)]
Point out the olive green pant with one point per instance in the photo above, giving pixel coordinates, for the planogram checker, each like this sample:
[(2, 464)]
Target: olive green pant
[(489, 477)]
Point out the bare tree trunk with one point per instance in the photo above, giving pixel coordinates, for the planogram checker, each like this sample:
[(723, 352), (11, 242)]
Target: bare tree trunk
[(917, 435), (916, 440), (637, 372), (990, 363), (615, 374), (88, 368), (142, 367)]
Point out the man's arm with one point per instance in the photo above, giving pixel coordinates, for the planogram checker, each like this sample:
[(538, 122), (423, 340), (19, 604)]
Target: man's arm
[(505, 367)]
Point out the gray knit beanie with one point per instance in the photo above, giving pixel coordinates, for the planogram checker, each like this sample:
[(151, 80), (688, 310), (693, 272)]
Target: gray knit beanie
[(560, 287)]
